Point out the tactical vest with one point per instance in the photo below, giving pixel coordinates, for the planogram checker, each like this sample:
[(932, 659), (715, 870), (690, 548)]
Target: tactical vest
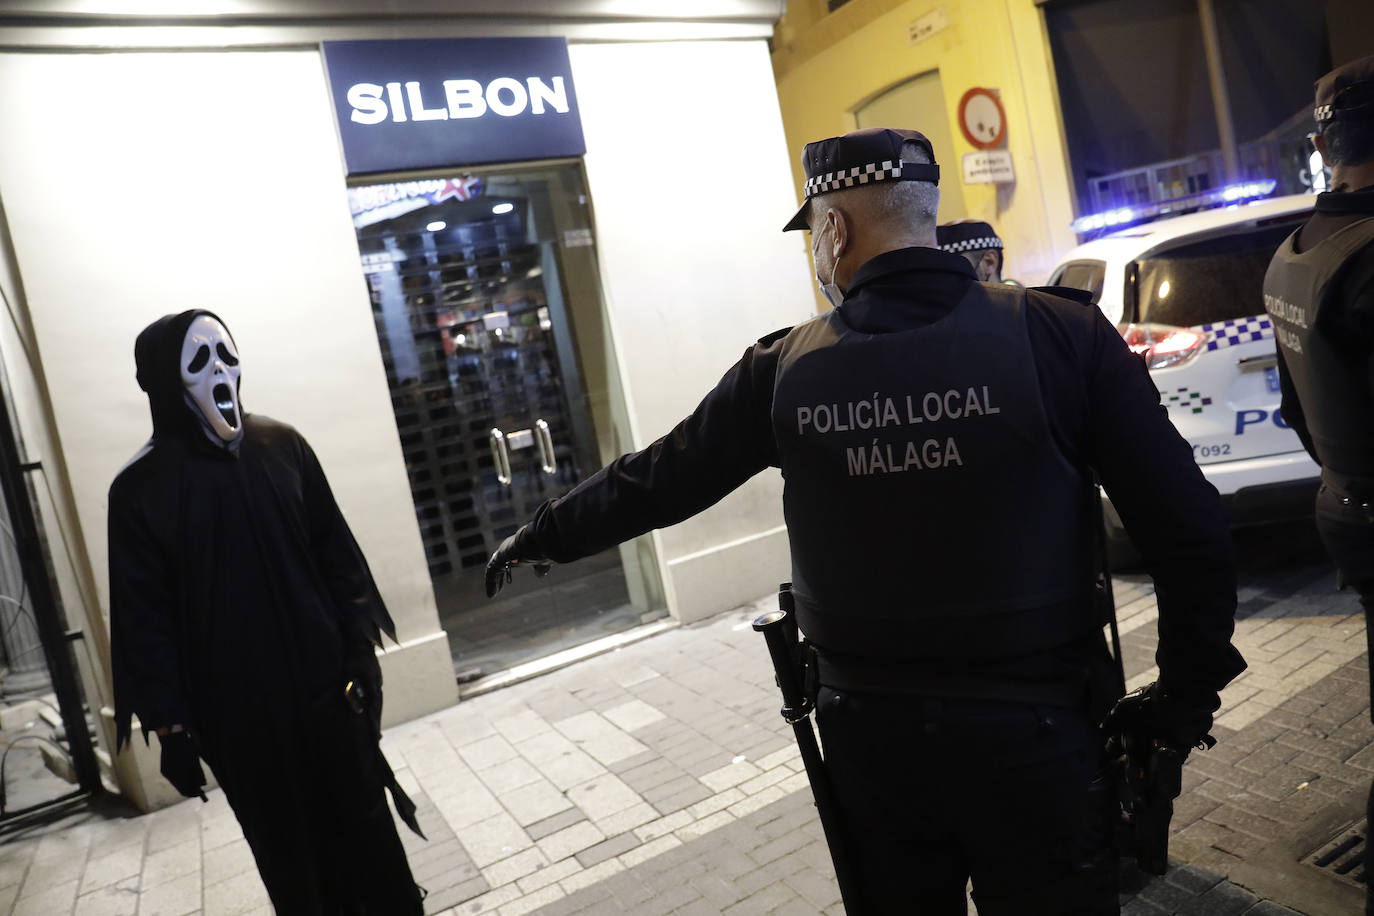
[(930, 512), (1331, 377)]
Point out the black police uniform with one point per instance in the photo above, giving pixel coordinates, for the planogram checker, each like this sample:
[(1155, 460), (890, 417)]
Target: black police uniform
[(936, 437), (1319, 292), (919, 563)]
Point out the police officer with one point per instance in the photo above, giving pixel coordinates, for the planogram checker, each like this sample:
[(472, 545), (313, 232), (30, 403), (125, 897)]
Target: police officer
[(977, 241), (1319, 292), (936, 436)]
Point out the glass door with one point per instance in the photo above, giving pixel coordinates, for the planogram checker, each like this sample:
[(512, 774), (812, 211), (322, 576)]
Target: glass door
[(488, 311)]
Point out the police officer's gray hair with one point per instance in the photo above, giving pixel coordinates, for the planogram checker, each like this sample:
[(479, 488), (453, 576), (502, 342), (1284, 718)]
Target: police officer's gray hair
[(896, 206)]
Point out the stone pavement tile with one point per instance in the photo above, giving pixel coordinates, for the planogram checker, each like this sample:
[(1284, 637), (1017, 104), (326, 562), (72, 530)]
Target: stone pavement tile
[(551, 874), (49, 901), (535, 802), (1269, 908), (1191, 878), (170, 863), (676, 795), (599, 737), (814, 889), (570, 840), (119, 899), (7, 897), (508, 775), (603, 796), (531, 902), (240, 894), (594, 875), (515, 867), (63, 844), (765, 900), (700, 907), (522, 726), (455, 894), (609, 848), (634, 715), (174, 898), (1139, 906), (487, 752), (227, 861), (1223, 900), (42, 876), (571, 768), (464, 805), (549, 825), (219, 829), (494, 839), (731, 775)]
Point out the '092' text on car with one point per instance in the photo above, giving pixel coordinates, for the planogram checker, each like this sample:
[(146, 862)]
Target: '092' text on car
[(1186, 294)]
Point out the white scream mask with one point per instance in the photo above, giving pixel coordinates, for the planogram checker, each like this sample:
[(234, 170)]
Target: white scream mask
[(210, 372)]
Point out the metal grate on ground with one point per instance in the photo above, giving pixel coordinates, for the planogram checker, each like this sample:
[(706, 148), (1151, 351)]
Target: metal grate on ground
[(1343, 856)]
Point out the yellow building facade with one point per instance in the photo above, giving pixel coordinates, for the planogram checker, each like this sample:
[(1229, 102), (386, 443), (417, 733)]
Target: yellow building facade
[(909, 64)]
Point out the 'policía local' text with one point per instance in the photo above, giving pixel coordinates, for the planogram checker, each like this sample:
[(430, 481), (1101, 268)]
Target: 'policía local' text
[(880, 412)]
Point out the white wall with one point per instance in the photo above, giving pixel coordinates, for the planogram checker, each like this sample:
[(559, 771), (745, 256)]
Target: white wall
[(141, 184), (689, 179)]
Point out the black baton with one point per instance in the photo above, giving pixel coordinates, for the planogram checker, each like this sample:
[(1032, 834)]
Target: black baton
[(779, 630)]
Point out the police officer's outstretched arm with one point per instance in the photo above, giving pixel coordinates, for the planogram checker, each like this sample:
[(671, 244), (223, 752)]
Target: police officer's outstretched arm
[(725, 441), (1176, 519)]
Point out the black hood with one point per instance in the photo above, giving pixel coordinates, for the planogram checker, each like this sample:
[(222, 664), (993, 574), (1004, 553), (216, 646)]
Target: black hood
[(157, 355)]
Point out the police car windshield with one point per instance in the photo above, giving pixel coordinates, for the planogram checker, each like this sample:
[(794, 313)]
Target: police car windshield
[(1218, 279)]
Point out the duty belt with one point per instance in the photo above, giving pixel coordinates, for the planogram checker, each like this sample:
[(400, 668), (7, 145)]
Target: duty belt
[(866, 675)]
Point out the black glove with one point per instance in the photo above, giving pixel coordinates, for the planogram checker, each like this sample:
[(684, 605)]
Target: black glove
[(1155, 716), (514, 551), (181, 764), (363, 682)]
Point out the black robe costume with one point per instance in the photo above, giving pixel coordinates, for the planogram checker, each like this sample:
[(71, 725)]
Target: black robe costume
[(240, 606)]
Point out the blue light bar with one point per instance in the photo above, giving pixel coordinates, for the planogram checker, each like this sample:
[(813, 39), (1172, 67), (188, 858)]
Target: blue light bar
[(1124, 216)]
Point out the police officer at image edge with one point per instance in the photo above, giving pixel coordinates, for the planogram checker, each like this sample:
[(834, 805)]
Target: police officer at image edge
[(1319, 292), (936, 437)]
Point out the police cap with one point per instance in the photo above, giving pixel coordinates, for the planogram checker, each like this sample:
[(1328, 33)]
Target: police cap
[(859, 158), (966, 235), (1346, 94)]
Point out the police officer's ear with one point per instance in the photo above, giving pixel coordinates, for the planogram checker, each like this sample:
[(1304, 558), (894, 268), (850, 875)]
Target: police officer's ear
[(989, 265), (839, 236), (1319, 142)]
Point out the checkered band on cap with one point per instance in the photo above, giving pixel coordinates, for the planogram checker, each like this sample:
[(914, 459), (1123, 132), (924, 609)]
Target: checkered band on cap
[(990, 241), (853, 177), (1322, 113)]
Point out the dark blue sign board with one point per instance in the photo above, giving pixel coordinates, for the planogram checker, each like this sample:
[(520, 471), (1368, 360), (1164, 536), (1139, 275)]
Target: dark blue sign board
[(445, 102)]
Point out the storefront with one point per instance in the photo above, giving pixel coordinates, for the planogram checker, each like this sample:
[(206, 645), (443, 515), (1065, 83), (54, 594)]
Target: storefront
[(470, 269)]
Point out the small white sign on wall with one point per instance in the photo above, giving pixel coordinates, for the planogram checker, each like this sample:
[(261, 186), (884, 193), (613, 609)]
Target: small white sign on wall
[(927, 25), (988, 167)]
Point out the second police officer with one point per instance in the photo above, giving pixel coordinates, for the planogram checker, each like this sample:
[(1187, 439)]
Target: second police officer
[(936, 436), (1319, 291)]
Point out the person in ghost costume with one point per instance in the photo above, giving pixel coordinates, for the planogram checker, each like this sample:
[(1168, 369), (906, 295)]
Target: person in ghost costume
[(243, 622)]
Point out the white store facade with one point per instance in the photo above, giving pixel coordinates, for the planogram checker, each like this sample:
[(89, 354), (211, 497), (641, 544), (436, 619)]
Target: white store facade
[(563, 228)]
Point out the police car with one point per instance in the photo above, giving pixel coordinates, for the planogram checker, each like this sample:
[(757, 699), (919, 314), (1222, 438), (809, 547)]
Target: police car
[(1186, 294)]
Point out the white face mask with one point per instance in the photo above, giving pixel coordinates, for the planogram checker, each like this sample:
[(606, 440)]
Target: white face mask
[(830, 290), (210, 372)]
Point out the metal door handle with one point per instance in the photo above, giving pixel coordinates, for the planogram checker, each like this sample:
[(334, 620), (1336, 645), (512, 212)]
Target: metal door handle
[(500, 456), (1257, 362), (547, 462)]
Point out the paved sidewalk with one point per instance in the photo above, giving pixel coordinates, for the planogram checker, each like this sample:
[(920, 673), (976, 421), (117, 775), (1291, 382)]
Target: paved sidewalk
[(660, 779)]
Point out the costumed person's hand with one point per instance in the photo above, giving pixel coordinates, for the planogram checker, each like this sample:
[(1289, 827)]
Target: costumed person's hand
[(514, 551), (363, 682), (181, 764)]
